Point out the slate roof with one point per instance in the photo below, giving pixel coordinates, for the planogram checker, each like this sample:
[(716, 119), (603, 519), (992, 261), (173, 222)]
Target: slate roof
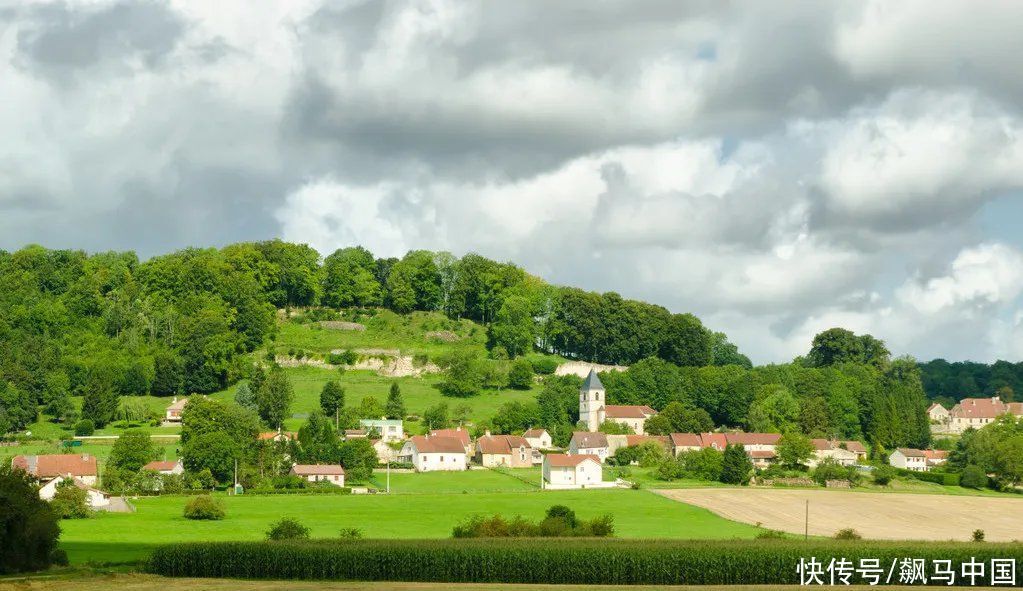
[(592, 382)]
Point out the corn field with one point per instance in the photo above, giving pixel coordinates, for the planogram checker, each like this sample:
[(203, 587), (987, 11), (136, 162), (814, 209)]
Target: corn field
[(561, 561)]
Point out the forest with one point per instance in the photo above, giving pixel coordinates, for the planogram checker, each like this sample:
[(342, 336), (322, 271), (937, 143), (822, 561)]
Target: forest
[(106, 325)]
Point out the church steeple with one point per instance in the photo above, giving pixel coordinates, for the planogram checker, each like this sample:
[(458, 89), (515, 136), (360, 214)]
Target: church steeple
[(591, 401)]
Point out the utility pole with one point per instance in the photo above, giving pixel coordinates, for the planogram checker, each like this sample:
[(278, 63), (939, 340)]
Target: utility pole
[(388, 474), (806, 526)]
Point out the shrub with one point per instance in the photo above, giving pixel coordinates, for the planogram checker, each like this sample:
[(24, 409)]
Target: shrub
[(559, 522), (520, 376), (883, 475), (28, 525), (204, 507), (548, 562), (85, 427), (978, 535), (830, 469), (288, 529), (544, 366), (350, 533), (848, 534), (770, 534), (973, 476), (70, 502)]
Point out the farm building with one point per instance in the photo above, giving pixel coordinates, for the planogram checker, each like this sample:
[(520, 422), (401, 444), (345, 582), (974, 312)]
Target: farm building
[(434, 453), (845, 453), (278, 436), (616, 442), (95, 498), (978, 412), (332, 473), (539, 439), (503, 450), (49, 467)]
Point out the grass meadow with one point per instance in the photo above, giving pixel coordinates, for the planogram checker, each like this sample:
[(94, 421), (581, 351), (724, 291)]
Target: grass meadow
[(113, 538)]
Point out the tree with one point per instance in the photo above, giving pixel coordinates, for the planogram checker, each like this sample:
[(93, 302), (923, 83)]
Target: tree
[(775, 410), (813, 417), (69, 501), (686, 342), (100, 401), (513, 327), (17, 409), (215, 452), (132, 450), (168, 374), (358, 458), (245, 397), (287, 529), (414, 283), (683, 419), (973, 476), (274, 399), (838, 345), (332, 399), (725, 353), (794, 449), (370, 407), (463, 374), (204, 415), (436, 417), (28, 525), (395, 407), (736, 467), (204, 507), (520, 376), (1009, 460), (658, 425), (349, 279), (514, 417), (317, 440)]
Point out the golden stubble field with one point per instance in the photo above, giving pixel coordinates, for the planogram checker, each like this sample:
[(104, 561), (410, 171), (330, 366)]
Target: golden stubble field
[(880, 516)]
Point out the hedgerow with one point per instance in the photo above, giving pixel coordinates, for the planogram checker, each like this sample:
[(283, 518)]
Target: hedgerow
[(577, 561)]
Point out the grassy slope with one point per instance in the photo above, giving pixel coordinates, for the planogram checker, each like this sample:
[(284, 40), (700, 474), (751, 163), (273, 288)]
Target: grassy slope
[(101, 449), (126, 537)]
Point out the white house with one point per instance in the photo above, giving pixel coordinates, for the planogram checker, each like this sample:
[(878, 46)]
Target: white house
[(840, 451), (173, 414), (978, 412), (389, 430), (539, 439), (165, 467), (429, 454), (332, 473), (909, 459), (563, 471), (458, 433), (48, 467), (95, 498), (587, 443)]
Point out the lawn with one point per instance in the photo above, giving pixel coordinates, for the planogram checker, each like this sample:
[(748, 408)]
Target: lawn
[(470, 481), (128, 537), (99, 448)]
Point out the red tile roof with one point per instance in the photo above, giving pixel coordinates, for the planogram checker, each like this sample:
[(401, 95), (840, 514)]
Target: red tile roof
[(686, 440), (533, 433), (438, 444), (716, 440), (459, 434), (317, 469), (274, 434), (761, 454), (612, 411), (752, 438), (501, 444), (980, 408), (936, 454), (909, 452), (51, 466), (567, 461), (160, 466)]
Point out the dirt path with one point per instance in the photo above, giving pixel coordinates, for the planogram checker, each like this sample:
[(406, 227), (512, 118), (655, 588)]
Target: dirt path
[(873, 515)]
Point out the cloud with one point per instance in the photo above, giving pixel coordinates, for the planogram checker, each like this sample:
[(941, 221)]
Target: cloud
[(776, 170)]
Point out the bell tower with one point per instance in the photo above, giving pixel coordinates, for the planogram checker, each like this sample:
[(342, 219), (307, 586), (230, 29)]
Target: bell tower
[(591, 402)]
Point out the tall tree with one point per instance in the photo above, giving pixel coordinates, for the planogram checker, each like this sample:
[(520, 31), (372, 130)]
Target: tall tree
[(736, 467), (274, 399), (132, 450), (332, 399), (395, 407)]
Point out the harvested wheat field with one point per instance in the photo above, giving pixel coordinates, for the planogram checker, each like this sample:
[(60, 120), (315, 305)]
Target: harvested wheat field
[(877, 516)]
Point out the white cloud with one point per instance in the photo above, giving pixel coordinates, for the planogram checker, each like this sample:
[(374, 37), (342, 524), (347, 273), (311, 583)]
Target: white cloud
[(986, 275)]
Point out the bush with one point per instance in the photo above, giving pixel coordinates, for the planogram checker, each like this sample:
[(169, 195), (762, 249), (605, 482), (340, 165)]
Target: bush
[(350, 533), (70, 502), (978, 535), (770, 534), (973, 476), (288, 529), (28, 525), (548, 562), (544, 366), (204, 507), (883, 475), (520, 376), (830, 469), (559, 522), (85, 427), (848, 534)]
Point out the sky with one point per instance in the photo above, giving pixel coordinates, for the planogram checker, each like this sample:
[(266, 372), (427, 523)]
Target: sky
[(774, 168)]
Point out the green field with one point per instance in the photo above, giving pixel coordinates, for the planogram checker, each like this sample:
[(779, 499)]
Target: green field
[(128, 537), (100, 448), (470, 481)]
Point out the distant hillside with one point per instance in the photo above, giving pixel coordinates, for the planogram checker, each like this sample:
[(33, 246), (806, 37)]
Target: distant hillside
[(950, 382)]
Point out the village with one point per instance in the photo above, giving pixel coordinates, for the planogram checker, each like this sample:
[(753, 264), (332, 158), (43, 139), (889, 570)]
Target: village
[(580, 466)]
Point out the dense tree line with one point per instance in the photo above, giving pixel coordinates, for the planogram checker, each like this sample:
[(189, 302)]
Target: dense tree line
[(950, 382)]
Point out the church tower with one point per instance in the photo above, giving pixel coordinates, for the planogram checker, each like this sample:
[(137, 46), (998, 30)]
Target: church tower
[(591, 402)]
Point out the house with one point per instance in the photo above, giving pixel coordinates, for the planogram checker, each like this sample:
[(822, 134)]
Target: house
[(433, 453), (978, 412), (332, 473), (49, 467), (173, 414), (95, 498), (593, 409), (503, 450), (539, 439), (458, 433), (843, 452), (355, 434), (563, 471), (587, 443), (165, 467), (278, 436), (935, 457), (760, 447), (615, 442), (909, 459), (683, 442), (716, 441), (389, 430), (937, 414)]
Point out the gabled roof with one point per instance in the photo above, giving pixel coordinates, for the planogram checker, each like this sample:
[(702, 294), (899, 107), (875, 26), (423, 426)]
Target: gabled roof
[(979, 408), (910, 452), (459, 434), (765, 454), (716, 440), (161, 466), (686, 440), (317, 469), (613, 411), (936, 454), (533, 433), (588, 440), (752, 438), (501, 444), (51, 466), (567, 461), (933, 406), (592, 381), (438, 444), (178, 404)]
